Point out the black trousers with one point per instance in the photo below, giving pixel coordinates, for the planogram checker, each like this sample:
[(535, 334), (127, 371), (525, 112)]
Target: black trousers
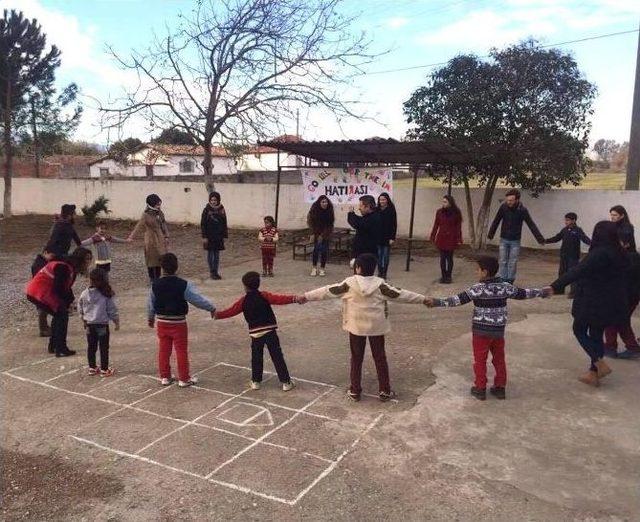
[(59, 327), (272, 342), (98, 336), (154, 272), (446, 262), (566, 264)]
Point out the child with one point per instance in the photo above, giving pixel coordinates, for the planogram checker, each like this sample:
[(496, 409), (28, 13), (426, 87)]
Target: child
[(96, 308), (38, 264), (364, 314), (489, 297), (168, 302), (268, 237), (570, 235), (625, 330), (256, 307), (101, 240)]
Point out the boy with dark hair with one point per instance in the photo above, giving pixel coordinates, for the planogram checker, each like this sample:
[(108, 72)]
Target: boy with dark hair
[(256, 307), (365, 314), (168, 305), (63, 232), (367, 226), (489, 297), (102, 241), (571, 236)]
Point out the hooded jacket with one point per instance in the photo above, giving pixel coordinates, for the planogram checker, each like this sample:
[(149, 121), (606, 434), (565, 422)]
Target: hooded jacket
[(96, 308), (364, 303)]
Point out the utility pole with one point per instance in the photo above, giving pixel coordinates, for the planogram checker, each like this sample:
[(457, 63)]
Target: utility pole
[(633, 163), (297, 123)]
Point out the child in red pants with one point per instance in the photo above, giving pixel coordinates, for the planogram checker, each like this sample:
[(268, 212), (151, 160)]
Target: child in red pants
[(489, 296), (167, 309), (268, 237)]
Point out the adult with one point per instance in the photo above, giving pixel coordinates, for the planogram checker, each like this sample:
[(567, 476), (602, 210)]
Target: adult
[(446, 234), (213, 225), (367, 227), (63, 232), (51, 290), (618, 214), (601, 296), (156, 235), (320, 220), (512, 214), (388, 230)]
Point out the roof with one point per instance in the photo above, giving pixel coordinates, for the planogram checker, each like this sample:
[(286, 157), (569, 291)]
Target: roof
[(385, 150), (173, 150)]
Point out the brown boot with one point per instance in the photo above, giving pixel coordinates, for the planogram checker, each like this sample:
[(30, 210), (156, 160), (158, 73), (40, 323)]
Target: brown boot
[(590, 378), (603, 368)]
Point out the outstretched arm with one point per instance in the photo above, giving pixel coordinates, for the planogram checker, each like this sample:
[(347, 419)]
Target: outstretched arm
[(554, 239), (584, 238), (533, 227), (398, 294), (279, 299), (151, 308), (233, 310), (327, 292), (194, 297), (455, 300), (496, 222), (514, 292)]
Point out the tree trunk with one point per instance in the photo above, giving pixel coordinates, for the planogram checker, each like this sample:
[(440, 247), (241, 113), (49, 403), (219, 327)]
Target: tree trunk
[(485, 207), (207, 165), (8, 153), (36, 147), (470, 218)]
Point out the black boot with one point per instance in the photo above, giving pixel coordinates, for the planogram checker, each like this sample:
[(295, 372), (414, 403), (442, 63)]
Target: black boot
[(498, 392), (479, 393)]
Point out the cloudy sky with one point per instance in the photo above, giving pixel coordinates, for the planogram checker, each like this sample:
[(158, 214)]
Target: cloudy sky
[(418, 32)]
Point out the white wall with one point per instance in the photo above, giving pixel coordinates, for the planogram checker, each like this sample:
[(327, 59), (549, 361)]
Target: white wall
[(247, 203)]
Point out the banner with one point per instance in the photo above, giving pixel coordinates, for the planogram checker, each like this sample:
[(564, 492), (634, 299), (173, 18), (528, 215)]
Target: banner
[(346, 186)]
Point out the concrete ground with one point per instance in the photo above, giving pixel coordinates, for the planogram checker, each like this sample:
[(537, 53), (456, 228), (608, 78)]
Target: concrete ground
[(125, 448)]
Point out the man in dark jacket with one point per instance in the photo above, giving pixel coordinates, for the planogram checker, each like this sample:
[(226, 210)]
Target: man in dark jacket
[(512, 214), (367, 227), (63, 232)]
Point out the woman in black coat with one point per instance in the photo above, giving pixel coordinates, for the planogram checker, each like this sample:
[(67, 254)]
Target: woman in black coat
[(388, 230), (600, 298), (213, 225)]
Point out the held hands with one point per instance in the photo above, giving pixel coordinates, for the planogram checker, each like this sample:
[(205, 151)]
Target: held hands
[(391, 242), (117, 326), (547, 291), (301, 299), (428, 302), (151, 323), (205, 241), (213, 315)]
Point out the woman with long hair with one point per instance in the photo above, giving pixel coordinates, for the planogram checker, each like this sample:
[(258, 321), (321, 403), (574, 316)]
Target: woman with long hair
[(213, 226), (388, 230), (618, 214), (446, 234), (156, 234), (320, 220), (601, 297)]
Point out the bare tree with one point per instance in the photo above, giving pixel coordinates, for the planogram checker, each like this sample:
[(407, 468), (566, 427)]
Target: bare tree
[(236, 70)]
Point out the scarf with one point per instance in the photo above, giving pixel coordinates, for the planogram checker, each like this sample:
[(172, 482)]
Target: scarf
[(159, 215)]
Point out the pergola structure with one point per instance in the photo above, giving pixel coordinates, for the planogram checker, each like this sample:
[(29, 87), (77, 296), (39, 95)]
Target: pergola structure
[(415, 155)]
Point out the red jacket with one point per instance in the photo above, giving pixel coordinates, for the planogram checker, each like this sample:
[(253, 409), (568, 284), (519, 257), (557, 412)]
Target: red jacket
[(257, 310), (41, 289), (447, 230)]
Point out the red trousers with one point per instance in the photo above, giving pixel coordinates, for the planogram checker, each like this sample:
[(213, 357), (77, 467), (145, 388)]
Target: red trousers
[(170, 336), (267, 259), (358, 345), (481, 347), (625, 331)]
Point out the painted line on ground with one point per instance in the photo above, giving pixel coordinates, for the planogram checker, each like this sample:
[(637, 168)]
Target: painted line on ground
[(293, 377), (70, 372)]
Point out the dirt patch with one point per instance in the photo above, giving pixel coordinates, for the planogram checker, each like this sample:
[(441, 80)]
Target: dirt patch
[(41, 487)]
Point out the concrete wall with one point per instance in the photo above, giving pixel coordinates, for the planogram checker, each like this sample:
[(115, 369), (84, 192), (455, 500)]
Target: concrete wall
[(247, 203)]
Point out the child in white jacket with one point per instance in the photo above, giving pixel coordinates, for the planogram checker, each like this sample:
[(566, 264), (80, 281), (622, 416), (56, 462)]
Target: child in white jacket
[(364, 314)]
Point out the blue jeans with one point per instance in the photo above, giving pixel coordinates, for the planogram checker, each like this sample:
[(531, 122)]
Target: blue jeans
[(591, 338), (383, 260), (320, 252), (213, 258), (509, 251)]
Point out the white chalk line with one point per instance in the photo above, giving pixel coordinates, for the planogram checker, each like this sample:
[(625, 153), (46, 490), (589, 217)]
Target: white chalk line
[(34, 363), (273, 373), (248, 420)]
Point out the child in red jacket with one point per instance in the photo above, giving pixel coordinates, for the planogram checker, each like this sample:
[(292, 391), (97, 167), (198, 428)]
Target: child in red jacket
[(256, 307)]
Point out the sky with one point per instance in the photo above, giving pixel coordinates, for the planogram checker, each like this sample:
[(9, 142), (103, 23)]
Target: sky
[(415, 33)]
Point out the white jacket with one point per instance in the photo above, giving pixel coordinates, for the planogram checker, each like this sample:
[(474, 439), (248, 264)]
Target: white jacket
[(364, 302)]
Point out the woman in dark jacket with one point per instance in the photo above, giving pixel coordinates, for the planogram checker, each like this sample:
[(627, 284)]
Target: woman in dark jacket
[(601, 297), (320, 220), (619, 216), (447, 235), (213, 225), (388, 230)]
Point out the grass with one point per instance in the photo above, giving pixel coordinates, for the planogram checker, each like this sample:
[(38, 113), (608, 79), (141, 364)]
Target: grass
[(607, 180)]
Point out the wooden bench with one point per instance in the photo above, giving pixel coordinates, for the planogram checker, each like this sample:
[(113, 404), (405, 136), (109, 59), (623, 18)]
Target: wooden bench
[(339, 243)]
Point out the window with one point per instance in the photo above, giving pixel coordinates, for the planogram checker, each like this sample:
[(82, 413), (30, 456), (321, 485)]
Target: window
[(186, 166), (104, 171)]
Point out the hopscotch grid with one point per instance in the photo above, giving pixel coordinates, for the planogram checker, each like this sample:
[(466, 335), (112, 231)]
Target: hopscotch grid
[(245, 422), (65, 374)]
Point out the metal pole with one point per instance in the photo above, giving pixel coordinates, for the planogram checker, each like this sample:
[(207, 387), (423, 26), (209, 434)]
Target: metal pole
[(413, 210), (278, 187), (633, 163), (450, 179)]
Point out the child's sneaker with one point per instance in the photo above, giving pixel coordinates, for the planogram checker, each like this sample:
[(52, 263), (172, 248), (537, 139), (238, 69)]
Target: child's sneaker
[(255, 385), (107, 373), (94, 371), (353, 396), (629, 354), (611, 352), (386, 396), (265, 273), (166, 381), (190, 382), (270, 274), (288, 386), (498, 392), (314, 272), (322, 273), (479, 393)]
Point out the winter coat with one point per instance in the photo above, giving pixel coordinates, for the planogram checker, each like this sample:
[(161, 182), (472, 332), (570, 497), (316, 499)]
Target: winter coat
[(364, 303), (570, 237), (388, 225), (155, 235), (633, 277), (447, 230), (367, 236), (323, 227), (213, 226), (62, 234), (96, 308), (50, 288), (601, 296), (512, 219), (628, 227)]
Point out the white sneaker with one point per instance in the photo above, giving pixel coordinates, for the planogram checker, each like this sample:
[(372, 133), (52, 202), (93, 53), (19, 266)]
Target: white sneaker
[(322, 273), (190, 382), (314, 272), (255, 385), (166, 381), (286, 386)]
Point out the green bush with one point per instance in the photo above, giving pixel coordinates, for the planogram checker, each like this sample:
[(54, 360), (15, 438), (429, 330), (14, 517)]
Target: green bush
[(91, 212)]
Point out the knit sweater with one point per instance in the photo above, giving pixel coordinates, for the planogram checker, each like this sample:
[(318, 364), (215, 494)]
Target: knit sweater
[(364, 303), (490, 304), (103, 246), (268, 237)]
